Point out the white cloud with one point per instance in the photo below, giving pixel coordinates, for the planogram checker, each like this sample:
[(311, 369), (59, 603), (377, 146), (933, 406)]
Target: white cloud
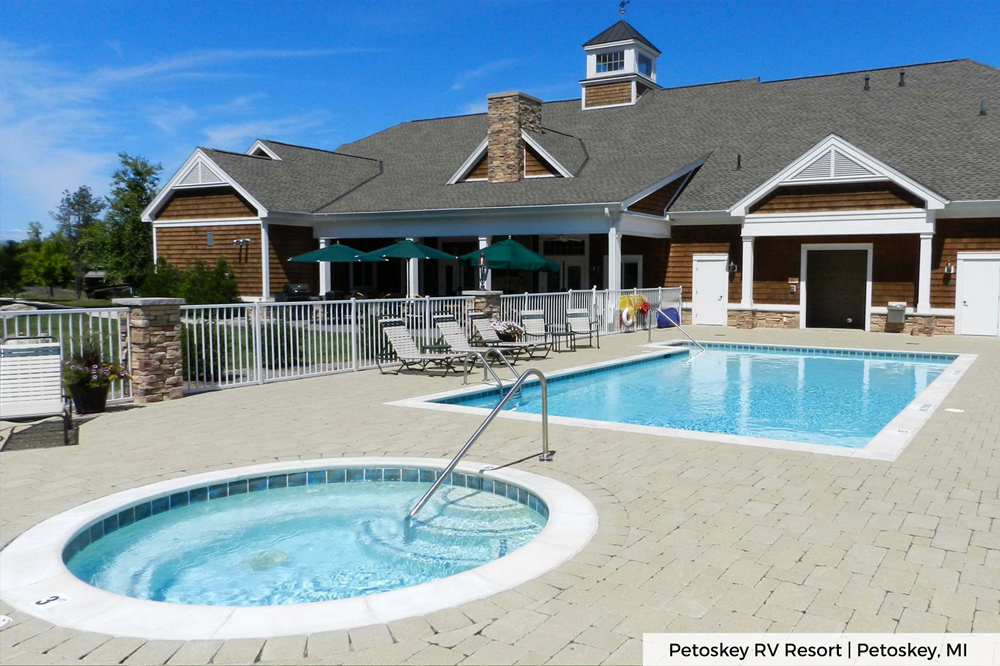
[(169, 117), (471, 75), (233, 136), (475, 107)]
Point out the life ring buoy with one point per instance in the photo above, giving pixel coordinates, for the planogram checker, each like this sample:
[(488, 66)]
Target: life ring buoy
[(628, 318)]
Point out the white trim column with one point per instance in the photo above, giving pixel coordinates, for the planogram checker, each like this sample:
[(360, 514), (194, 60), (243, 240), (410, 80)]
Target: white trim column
[(746, 276), (324, 271), (484, 242), (614, 258), (924, 276), (412, 276), (265, 265)]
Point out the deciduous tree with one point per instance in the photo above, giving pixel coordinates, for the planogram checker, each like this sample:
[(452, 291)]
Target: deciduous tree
[(77, 212)]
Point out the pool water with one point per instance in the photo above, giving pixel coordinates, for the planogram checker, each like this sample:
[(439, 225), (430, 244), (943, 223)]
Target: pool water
[(305, 544), (814, 396)]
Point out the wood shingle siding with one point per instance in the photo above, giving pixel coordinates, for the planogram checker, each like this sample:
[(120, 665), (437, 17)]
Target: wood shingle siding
[(286, 242), (686, 242), (895, 262), (206, 203), (952, 237), (182, 246), (482, 169), (656, 203), (850, 196), (608, 94), (535, 166)]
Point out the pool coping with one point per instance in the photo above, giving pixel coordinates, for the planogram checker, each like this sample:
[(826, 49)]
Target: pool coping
[(886, 445), (32, 568)]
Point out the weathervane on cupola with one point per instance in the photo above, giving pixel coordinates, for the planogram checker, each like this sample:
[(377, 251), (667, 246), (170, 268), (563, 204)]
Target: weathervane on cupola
[(622, 5)]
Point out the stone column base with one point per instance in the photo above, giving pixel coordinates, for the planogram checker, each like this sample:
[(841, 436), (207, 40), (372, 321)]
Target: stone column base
[(486, 302), (155, 361)]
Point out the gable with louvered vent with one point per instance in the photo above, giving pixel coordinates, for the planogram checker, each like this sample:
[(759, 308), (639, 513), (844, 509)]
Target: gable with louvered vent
[(832, 165), (200, 174)]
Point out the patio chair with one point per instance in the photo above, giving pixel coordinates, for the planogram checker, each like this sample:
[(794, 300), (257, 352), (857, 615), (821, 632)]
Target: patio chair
[(579, 322), (456, 339), (490, 338), (31, 381), (535, 329), (408, 353)]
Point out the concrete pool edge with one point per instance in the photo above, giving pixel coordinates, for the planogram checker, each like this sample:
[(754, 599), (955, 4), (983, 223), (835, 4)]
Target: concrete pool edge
[(32, 570), (886, 445)]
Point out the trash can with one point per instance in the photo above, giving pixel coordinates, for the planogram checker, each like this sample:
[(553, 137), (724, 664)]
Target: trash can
[(897, 312)]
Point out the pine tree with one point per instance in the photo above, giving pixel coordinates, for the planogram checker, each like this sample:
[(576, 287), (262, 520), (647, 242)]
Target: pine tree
[(77, 213)]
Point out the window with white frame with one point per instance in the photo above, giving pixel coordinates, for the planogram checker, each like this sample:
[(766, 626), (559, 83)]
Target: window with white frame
[(610, 62), (645, 64)]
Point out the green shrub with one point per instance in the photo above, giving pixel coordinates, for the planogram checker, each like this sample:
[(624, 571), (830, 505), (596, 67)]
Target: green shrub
[(200, 284)]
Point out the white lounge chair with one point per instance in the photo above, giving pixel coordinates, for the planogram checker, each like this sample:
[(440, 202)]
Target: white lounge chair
[(579, 322), (455, 338), (408, 353), (536, 331), (490, 338), (31, 381)]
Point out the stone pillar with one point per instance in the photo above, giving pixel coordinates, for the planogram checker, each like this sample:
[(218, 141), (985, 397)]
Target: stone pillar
[(154, 354), (486, 302)]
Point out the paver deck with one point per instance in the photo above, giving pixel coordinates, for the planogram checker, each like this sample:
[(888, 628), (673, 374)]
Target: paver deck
[(693, 536)]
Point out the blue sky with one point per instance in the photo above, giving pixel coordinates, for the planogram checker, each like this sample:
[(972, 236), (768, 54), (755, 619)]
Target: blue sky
[(81, 81)]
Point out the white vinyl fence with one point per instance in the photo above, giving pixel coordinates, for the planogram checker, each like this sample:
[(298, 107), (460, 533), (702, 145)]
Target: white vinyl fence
[(106, 328), (614, 311)]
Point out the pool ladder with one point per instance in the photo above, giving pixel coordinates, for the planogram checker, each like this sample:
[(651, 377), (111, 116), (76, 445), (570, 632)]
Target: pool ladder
[(545, 456), (677, 325)]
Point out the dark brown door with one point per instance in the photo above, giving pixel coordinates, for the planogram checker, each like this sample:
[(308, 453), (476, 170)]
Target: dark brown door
[(836, 288)]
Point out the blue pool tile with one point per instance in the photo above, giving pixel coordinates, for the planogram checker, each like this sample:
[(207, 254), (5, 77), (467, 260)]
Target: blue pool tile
[(297, 479), (336, 475), (72, 548), (391, 474), (196, 495), (474, 482), (411, 475), (143, 511), (255, 485), (96, 531), (500, 488), (316, 478), (373, 474), (111, 524), (458, 479), (179, 499), (160, 504), (238, 487), (427, 476), (533, 503), (218, 491), (126, 517), (512, 492), (84, 539), (277, 481), (449, 480), (355, 475)]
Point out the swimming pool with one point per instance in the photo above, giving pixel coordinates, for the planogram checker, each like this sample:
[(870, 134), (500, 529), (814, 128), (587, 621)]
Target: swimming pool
[(830, 399)]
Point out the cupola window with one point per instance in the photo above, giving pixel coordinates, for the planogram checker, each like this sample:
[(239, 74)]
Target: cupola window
[(645, 64), (610, 62)]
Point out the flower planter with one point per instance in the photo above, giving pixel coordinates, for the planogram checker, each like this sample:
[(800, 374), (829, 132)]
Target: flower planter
[(89, 400)]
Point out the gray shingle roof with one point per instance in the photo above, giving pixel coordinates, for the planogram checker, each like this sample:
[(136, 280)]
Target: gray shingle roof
[(619, 32), (929, 130), (304, 180)]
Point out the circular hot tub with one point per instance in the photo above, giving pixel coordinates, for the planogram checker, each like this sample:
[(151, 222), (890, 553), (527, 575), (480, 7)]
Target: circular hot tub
[(292, 548)]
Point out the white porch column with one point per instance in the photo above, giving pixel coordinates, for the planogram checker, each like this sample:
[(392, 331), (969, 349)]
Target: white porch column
[(747, 273), (324, 271), (924, 277), (484, 242), (265, 262), (614, 258), (412, 276)]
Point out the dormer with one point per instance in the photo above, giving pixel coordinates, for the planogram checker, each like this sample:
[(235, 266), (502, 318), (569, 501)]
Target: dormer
[(621, 66)]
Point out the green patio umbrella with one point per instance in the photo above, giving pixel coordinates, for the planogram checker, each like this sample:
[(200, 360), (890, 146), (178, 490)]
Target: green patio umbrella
[(335, 254), (511, 255), (407, 249), (412, 251)]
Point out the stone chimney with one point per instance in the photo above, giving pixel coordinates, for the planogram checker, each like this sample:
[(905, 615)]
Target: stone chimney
[(509, 113)]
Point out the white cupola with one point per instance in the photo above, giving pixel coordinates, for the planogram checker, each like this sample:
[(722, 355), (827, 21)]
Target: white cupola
[(621, 66)]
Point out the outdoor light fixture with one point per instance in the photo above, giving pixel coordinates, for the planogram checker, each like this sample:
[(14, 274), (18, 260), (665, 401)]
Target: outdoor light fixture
[(949, 269), (483, 268), (242, 241), (732, 267)]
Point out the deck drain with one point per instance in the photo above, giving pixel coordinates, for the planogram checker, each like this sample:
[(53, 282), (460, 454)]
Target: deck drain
[(5, 620), (954, 410), (924, 407)]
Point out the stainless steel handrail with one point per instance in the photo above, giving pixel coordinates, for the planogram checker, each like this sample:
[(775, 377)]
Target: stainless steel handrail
[(482, 355), (546, 455), (677, 325)]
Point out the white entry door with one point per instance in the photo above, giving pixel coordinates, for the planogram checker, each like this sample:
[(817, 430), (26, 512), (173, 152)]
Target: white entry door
[(711, 289), (977, 293)]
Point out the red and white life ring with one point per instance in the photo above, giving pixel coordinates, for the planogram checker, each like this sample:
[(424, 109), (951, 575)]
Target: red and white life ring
[(628, 316)]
